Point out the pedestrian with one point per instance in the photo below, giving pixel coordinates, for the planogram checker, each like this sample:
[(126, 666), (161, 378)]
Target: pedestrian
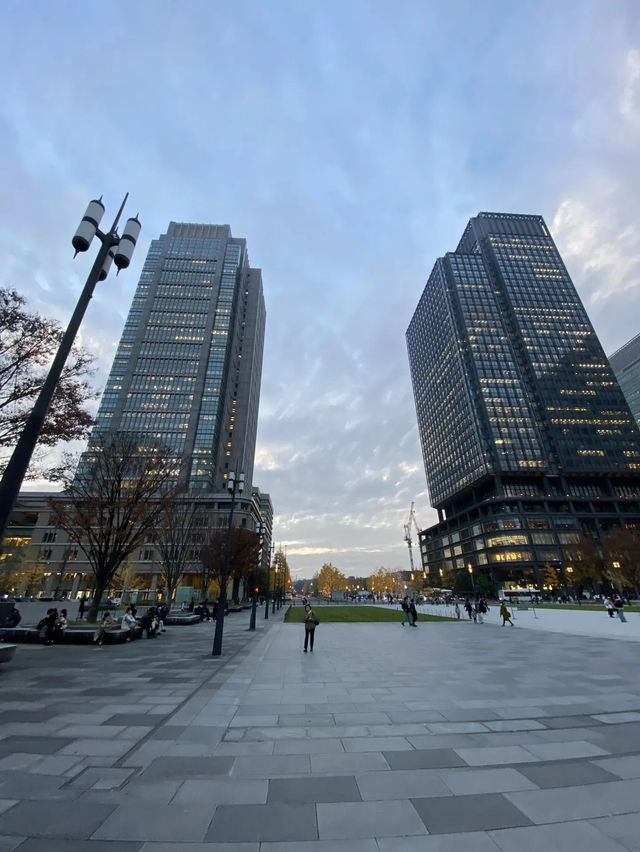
[(457, 610), (310, 624), (469, 608), (14, 618), (477, 614), (608, 605), (59, 628), (83, 602), (129, 623), (407, 612), (506, 615), (619, 607), (413, 612), (101, 629)]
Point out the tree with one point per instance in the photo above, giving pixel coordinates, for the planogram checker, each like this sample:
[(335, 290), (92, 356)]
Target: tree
[(330, 579), (245, 545), (28, 343), (173, 535), (380, 582), (549, 577), (583, 563), (621, 547), (121, 487), (34, 576), (11, 563)]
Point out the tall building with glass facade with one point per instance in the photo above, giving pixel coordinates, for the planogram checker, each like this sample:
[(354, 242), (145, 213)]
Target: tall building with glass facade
[(188, 367), (527, 439), (626, 365)]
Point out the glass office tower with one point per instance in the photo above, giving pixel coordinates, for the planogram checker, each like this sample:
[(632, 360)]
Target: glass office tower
[(626, 365), (527, 439), (188, 367)]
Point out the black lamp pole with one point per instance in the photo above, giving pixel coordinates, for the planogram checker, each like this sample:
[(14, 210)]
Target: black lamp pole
[(19, 462), (234, 486)]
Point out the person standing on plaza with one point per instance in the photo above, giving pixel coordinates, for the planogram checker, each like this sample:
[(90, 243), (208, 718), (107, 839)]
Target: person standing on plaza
[(457, 610), (608, 605), (413, 612), (405, 608), (619, 607), (505, 614), (83, 603), (310, 624), (469, 608)]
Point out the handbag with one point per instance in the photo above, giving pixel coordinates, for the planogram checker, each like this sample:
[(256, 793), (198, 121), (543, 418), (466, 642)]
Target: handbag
[(316, 622)]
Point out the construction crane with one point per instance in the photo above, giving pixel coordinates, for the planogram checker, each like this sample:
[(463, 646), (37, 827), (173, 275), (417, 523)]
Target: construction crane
[(411, 522)]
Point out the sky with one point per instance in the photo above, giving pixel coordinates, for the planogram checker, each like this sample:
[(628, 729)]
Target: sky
[(349, 142)]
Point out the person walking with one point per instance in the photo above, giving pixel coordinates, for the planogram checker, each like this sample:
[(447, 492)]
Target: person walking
[(506, 615), (405, 608), (478, 615), (457, 610), (310, 624), (608, 605), (619, 607), (469, 608), (83, 603), (413, 612)]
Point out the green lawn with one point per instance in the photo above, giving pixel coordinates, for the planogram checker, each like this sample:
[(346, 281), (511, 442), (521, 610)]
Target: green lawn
[(588, 606), (355, 613)]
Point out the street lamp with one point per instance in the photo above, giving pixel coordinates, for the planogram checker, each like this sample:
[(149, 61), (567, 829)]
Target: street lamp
[(234, 486), (114, 248), (473, 583), (254, 604), (275, 588), (266, 606)]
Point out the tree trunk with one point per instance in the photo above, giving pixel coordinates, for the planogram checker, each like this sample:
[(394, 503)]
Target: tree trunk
[(235, 589), (92, 615)]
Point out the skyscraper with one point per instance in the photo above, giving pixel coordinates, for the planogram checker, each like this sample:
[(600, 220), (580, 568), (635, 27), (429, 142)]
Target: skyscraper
[(526, 437), (188, 367), (626, 365)]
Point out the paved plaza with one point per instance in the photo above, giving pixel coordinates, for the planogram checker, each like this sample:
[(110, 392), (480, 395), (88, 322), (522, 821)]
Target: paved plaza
[(448, 737)]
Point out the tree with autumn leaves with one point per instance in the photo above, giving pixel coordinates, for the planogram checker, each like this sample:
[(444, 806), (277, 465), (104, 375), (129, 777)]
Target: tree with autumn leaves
[(329, 579)]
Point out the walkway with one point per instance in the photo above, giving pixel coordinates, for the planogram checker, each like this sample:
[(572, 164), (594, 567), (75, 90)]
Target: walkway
[(386, 739)]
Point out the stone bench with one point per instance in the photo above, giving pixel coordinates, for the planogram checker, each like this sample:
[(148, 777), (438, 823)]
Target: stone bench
[(182, 618), (7, 652), (72, 635)]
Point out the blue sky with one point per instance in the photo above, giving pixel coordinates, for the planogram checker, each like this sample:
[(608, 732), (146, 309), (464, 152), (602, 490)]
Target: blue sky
[(349, 142)]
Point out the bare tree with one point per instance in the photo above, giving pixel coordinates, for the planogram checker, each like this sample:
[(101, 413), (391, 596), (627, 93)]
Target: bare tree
[(173, 536), (28, 342), (113, 502), (584, 563)]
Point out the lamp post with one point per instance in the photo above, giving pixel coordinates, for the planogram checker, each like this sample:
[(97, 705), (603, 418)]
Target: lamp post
[(234, 486), (473, 582), (275, 588), (266, 606), (118, 249), (254, 603)]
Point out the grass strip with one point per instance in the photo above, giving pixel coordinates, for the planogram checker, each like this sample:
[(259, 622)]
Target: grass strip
[(343, 614)]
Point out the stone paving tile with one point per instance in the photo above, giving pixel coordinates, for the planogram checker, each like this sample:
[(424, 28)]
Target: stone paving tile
[(625, 829), (424, 740), (55, 818), (423, 759), (313, 790), (468, 781), (515, 725), (457, 728), (323, 846), (349, 764), (201, 847), (401, 784), (146, 821), (617, 718), (353, 820), (481, 812), (25, 785), (237, 749), (494, 756), (477, 841), (32, 745), (564, 751), (271, 766), (623, 767), (307, 746), (353, 744), (194, 767), (565, 774), (583, 802), (98, 748), (277, 822), (223, 791), (554, 838), (48, 845), (8, 844)]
